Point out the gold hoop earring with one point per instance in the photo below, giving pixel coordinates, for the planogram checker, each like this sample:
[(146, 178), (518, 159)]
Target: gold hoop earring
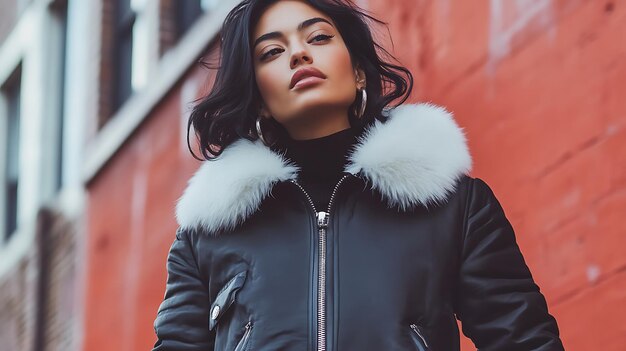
[(363, 103), (259, 132)]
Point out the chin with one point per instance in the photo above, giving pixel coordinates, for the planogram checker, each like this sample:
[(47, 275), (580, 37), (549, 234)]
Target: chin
[(312, 108), (319, 101)]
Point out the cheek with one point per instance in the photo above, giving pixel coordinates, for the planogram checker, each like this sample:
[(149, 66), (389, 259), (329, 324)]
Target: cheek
[(269, 81), (338, 60), (340, 66)]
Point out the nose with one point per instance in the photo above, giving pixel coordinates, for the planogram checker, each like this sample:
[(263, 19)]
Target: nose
[(299, 56)]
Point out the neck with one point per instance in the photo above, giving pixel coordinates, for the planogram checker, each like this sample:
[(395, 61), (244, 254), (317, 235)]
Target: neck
[(324, 157), (318, 124)]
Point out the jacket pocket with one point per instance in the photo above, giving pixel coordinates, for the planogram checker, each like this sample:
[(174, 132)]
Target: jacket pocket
[(244, 342), (417, 335), (225, 298)]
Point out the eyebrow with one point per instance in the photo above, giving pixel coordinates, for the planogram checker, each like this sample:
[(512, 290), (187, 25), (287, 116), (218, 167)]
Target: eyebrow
[(301, 26)]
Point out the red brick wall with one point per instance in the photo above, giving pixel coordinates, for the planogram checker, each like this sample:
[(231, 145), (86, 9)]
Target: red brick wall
[(18, 296), (131, 226), (539, 91), (58, 279), (37, 297)]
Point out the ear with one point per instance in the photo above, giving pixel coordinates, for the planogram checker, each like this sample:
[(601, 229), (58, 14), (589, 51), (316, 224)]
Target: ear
[(360, 77), (264, 112)]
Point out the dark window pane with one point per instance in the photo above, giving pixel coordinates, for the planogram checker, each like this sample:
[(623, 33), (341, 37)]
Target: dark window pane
[(60, 12), (12, 148), (187, 11), (123, 12), (123, 53)]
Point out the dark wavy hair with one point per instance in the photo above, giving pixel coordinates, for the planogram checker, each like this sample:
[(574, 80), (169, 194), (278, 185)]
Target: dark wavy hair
[(230, 110)]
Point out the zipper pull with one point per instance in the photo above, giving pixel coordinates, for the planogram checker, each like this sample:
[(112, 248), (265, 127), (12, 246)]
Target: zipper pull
[(322, 219), (419, 333)]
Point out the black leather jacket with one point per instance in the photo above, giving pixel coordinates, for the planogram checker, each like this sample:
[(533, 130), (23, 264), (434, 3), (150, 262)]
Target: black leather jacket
[(410, 242)]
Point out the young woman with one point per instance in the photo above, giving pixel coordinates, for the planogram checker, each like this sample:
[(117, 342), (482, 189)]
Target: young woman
[(325, 218)]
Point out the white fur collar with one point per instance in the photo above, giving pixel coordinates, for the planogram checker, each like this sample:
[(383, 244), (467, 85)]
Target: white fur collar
[(415, 158)]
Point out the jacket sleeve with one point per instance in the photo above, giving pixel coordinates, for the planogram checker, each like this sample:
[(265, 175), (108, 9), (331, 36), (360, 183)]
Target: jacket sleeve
[(497, 300), (182, 321)]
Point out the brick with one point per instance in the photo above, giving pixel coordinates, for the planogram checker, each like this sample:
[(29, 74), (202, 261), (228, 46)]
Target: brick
[(592, 319)]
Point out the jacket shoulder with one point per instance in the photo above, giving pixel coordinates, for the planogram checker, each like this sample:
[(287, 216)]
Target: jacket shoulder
[(463, 188), (479, 195)]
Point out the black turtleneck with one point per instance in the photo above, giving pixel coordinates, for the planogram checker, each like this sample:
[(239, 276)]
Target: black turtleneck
[(321, 161)]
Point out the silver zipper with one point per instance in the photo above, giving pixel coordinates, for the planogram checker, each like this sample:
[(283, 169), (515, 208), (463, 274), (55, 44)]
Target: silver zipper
[(417, 331), (244, 339), (322, 223)]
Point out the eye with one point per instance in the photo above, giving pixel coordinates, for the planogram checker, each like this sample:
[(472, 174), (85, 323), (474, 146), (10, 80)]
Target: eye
[(267, 54), (321, 37)]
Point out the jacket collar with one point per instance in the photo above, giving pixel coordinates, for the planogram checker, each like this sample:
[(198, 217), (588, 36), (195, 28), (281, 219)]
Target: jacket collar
[(413, 159)]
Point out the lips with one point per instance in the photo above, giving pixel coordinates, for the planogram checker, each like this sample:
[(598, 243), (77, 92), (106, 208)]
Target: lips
[(304, 73)]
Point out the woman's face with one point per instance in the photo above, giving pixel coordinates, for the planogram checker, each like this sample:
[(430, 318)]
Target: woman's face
[(302, 37)]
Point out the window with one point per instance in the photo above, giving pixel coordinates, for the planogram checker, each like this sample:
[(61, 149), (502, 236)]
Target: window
[(59, 12), (122, 52), (12, 93), (186, 12), (177, 16)]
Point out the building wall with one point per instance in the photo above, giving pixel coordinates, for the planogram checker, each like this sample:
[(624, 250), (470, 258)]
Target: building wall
[(37, 258), (137, 166), (537, 86), (38, 295), (128, 242), (17, 301)]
